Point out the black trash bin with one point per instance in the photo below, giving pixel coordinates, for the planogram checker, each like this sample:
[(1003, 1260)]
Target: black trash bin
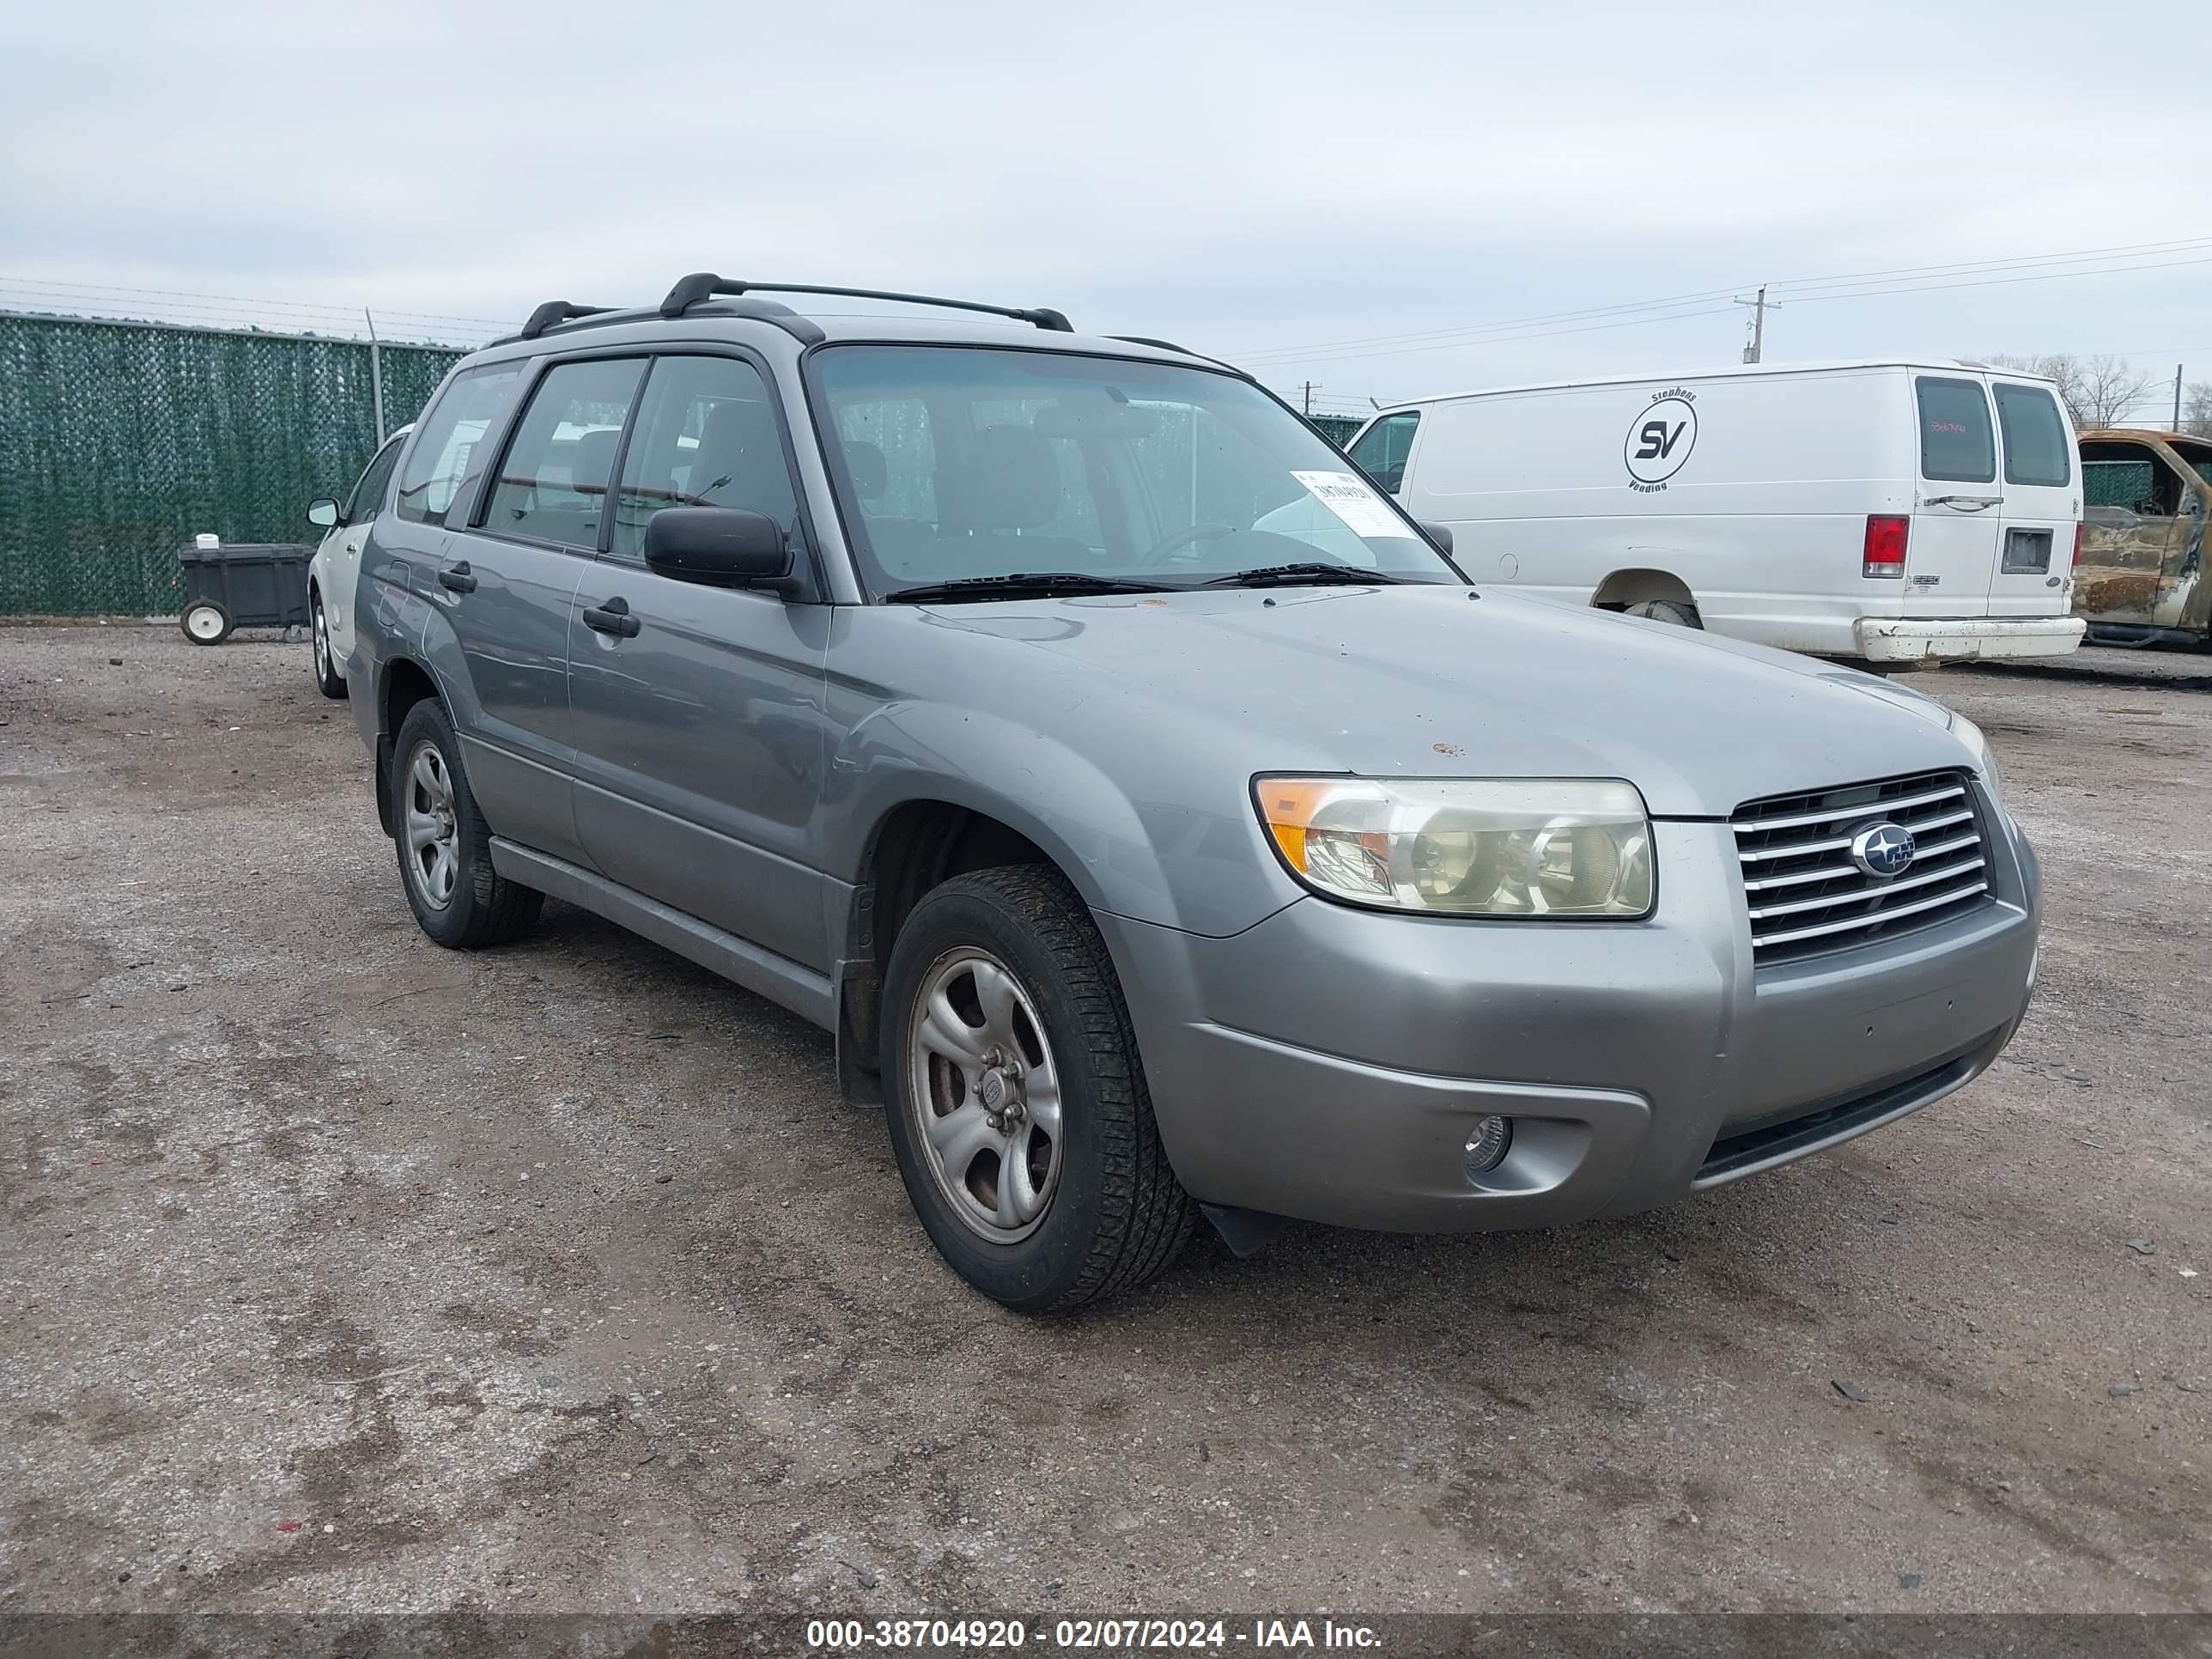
[(243, 585)]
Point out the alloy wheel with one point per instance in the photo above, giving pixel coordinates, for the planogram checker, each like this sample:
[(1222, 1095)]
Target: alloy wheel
[(432, 827), (984, 1086)]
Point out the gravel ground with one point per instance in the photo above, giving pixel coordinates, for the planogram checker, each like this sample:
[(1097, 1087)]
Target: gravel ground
[(342, 1273)]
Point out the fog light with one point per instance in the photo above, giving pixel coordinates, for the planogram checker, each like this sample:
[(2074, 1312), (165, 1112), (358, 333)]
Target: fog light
[(1487, 1146)]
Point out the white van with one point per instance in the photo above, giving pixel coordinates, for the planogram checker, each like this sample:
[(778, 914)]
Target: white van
[(1888, 511)]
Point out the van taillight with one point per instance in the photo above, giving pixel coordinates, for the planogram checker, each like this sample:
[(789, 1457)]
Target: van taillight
[(1884, 543), (2077, 544)]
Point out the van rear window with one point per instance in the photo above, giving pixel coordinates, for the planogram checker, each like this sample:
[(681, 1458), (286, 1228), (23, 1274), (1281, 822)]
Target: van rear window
[(1957, 443), (2034, 437)]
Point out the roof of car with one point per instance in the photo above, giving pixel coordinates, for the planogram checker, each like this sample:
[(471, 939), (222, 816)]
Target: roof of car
[(559, 324), (2163, 435)]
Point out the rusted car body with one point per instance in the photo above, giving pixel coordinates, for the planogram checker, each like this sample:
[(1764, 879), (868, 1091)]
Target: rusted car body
[(2147, 499)]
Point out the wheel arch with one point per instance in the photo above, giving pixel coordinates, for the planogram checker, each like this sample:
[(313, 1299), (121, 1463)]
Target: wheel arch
[(913, 846), (1637, 584), (402, 682)]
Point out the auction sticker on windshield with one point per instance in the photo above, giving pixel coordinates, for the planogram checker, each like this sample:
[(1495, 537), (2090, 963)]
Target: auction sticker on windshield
[(1352, 500)]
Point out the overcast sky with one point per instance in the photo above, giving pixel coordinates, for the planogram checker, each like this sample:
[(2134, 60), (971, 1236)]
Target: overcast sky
[(1260, 180)]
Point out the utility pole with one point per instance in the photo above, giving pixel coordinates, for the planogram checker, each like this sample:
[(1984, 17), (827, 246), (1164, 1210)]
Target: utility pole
[(1759, 310), (375, 375), (1311, 388), (2177, 399)]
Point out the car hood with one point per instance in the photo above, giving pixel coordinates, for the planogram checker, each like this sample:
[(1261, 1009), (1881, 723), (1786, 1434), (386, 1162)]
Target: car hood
[(1425, 681)]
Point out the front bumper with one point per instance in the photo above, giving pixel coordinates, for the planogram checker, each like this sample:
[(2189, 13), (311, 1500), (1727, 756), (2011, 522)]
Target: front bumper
[(1329, 1063), (1892, 639)]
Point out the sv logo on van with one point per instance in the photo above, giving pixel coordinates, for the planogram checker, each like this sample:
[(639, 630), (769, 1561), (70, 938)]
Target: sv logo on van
[(1660, 440)]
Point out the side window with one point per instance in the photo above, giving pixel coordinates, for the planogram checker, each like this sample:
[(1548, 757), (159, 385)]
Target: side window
[(1957, 443), (2120, 482), (2034, 437), (445, 456), (553, 481), (1382, 450), (706, 436), (368, 495)]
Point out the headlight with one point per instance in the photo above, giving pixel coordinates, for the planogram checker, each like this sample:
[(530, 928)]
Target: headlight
[(1471, 847), (1986, 759)]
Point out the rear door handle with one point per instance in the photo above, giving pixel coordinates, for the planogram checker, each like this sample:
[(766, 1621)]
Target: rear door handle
[(457, 577), (612, 618), (1971, 503)]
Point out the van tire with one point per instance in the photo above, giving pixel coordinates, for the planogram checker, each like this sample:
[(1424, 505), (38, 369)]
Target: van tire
[(1666, 610), (1116, 1216)]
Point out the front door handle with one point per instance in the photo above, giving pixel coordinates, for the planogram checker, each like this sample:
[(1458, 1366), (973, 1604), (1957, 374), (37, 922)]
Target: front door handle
[(459, 578), (612, 618)]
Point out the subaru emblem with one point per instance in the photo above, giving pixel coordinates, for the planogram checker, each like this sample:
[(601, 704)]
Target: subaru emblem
[(1883, 849)]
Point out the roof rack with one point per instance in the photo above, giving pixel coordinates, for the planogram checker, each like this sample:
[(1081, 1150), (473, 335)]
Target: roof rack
[(1183, 351), (804, 330), (704, 284), (558, 311)]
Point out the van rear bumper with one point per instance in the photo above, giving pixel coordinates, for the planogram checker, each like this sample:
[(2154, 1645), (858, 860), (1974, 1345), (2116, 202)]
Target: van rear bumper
[(1913, 639)]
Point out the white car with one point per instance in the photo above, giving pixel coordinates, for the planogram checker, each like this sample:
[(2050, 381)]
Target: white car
[(1883, 512), (331, 572)]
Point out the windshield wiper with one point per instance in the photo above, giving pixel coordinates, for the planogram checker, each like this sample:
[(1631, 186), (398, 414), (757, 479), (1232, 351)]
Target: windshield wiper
[(1023, 584), (1275, 575)]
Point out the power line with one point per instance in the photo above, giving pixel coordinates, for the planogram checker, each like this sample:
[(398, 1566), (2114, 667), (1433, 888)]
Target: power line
[(2000, 281), (1505, 339), (1463, 333), (58, 286)]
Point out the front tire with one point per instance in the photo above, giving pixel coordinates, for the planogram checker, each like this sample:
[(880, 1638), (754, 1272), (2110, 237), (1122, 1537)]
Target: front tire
[(444, 844), (1017, 1101), (328, 680)]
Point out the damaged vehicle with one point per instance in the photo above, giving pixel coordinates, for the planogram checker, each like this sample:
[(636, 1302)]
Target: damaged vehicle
[(2146, 498), (1161, 822)]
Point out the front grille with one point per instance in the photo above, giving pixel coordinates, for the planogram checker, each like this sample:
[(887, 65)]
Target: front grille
[(1806, 893)]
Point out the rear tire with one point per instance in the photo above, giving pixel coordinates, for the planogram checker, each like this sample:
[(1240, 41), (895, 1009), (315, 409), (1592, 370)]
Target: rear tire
[(444, 844), (1666, 610), (328, 680), (205, 623), (1105, 1213)]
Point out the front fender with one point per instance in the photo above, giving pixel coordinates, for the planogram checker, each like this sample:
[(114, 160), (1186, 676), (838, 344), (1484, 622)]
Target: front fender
[(1197, 867)]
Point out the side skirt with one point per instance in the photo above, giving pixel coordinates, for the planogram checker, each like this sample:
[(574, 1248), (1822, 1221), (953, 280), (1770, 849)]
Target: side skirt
[(806, 993)]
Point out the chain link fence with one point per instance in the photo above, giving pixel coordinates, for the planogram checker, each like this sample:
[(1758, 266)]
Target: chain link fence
[(120, 442)]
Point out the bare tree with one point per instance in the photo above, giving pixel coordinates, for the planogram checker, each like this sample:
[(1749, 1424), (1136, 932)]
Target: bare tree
[(2100, 390), (2196, 409)]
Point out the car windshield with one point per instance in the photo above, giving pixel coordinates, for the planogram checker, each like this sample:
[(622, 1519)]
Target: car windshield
[(965, 462)]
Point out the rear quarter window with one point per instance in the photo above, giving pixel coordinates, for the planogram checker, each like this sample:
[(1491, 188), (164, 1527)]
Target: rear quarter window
[(448, 449), (1957, 443), (2035, 447)]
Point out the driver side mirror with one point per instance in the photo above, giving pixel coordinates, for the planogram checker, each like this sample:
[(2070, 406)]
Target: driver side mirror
[(719, 547), (322, 512), (1440, 534)]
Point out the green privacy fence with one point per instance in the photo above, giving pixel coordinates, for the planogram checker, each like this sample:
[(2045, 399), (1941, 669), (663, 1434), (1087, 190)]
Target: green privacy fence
[(120, 442), (2116, 483)]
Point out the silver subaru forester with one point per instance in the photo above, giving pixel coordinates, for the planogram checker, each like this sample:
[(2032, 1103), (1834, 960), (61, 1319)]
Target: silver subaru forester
[(1161, 821)]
